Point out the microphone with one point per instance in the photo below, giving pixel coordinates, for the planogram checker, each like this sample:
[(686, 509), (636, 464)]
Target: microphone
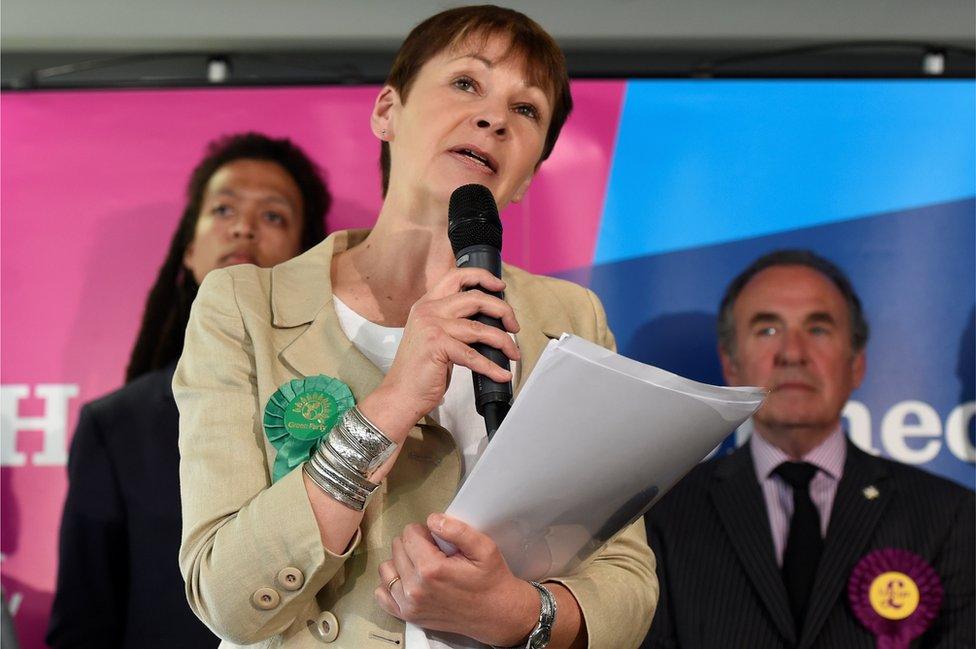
[(475, 232)]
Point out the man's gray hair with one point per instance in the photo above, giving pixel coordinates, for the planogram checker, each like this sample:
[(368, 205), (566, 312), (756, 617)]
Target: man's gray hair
[(798, 257)]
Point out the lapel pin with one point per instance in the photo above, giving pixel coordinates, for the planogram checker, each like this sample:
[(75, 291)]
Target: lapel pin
[(871, 492)]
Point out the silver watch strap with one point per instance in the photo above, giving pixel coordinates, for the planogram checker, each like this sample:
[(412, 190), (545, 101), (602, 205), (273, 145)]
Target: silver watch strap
[(541, 634)]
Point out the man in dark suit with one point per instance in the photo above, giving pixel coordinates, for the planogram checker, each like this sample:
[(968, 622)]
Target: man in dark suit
[(121, 526), (756, 549)]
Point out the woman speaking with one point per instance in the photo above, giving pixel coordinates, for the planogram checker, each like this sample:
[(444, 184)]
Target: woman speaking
[(326, 410)]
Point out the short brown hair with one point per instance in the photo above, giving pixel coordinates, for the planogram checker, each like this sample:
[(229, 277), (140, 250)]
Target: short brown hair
[(545, 61)]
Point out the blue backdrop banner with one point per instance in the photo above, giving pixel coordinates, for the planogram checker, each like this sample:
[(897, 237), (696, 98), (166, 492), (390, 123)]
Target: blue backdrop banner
[(878, 176)]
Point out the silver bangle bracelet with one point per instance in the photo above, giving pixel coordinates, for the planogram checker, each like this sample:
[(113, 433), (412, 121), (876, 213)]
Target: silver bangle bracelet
[(333, 490), (351, 453), (336, 479), (326, 458), (369, 439), (349, 481), (346, 457)]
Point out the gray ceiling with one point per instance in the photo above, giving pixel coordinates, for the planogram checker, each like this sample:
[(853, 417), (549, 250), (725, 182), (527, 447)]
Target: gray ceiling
[(250, 25)]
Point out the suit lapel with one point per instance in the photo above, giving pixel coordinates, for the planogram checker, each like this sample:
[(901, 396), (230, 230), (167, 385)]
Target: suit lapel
[(301, 297), (739, 503), (852, 522)]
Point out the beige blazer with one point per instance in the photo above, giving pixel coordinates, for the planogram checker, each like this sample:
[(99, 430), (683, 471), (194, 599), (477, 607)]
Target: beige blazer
[(255, 568)]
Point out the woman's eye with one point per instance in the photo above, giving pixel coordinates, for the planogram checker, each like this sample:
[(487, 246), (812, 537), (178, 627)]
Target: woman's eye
[(528, 110), (466, 84), (274, 217), (221, 210)]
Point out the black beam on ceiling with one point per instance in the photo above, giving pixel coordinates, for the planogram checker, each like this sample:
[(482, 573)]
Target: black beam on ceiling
[(858, 59)]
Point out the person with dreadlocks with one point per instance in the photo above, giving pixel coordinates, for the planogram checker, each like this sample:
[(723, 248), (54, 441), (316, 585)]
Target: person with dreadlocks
[(252, 199)]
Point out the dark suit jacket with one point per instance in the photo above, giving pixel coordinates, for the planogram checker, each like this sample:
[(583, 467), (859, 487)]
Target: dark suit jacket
[(721, 587), (119, 584)]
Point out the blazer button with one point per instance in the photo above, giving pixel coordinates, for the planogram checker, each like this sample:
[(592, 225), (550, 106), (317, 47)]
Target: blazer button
[(325, 627), (290, 578), (265, 599)]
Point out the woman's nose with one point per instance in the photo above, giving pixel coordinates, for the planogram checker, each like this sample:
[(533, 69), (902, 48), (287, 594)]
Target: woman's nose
[(499, 129), (493, 119), (243, 227)]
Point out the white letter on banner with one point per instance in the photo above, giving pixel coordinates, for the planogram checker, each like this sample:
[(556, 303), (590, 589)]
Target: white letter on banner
[(53, 425), (894, 430), (859, 426), (957, 431)]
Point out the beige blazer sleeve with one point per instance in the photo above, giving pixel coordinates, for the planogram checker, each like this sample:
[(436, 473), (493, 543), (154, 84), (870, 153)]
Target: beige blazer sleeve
[(239, 531), (618, 590)]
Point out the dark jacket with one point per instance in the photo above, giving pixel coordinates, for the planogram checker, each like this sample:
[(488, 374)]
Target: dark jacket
[(119, 584), (721, 587)]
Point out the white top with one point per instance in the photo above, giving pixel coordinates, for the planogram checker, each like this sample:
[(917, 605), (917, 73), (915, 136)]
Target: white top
[(456, 414)]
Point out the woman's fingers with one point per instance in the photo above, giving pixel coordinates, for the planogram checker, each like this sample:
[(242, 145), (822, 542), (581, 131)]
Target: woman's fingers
[(469, 303), (438, 333), (460, 354), (384, 591), (402, 565), (464, 305), (472, 331), (460, 279)]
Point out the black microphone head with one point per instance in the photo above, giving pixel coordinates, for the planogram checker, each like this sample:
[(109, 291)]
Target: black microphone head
[(472, 218)]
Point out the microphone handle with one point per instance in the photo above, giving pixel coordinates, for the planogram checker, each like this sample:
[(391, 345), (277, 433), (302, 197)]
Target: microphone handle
[(487, 391)]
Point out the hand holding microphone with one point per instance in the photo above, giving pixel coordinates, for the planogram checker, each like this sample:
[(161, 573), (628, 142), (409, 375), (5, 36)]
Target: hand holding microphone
[(459, 319), (475, 232)]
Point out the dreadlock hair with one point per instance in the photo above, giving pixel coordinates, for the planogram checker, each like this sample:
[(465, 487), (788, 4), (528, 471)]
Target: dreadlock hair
[(160, 338)]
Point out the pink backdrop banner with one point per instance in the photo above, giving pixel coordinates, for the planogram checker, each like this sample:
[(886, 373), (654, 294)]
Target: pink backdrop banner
[(91, 189)]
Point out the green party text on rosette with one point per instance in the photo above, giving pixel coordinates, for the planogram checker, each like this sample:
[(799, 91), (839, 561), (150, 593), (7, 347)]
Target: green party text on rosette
[(299, 414)]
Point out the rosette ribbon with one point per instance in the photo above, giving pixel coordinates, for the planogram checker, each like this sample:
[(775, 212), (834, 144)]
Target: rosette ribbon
[(299, 414), (896, 595)]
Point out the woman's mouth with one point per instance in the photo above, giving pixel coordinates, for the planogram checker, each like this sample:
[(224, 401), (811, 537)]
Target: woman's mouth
[(237, 258), (476, 159)]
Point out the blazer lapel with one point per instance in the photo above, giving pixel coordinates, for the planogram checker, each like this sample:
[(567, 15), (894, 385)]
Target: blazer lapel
[(301, 298), (852, 522), (739, 503)]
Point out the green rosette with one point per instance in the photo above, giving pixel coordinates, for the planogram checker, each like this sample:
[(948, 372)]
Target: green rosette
[(299, 414)]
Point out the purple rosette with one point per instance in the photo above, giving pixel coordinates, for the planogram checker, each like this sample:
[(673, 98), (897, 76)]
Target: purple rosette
[(896, 595)]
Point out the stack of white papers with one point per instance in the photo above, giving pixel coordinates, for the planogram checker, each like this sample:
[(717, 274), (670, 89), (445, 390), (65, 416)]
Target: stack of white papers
[(591, 442)]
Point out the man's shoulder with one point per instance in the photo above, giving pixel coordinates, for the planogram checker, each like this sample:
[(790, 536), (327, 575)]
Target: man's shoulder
[(131, 406), (693, 489), (917, 482)]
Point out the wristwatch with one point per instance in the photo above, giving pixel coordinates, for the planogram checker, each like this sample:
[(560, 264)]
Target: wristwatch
[(539, 638)]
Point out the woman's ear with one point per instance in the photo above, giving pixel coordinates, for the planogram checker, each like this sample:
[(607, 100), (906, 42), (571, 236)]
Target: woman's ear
[(381, 119)]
